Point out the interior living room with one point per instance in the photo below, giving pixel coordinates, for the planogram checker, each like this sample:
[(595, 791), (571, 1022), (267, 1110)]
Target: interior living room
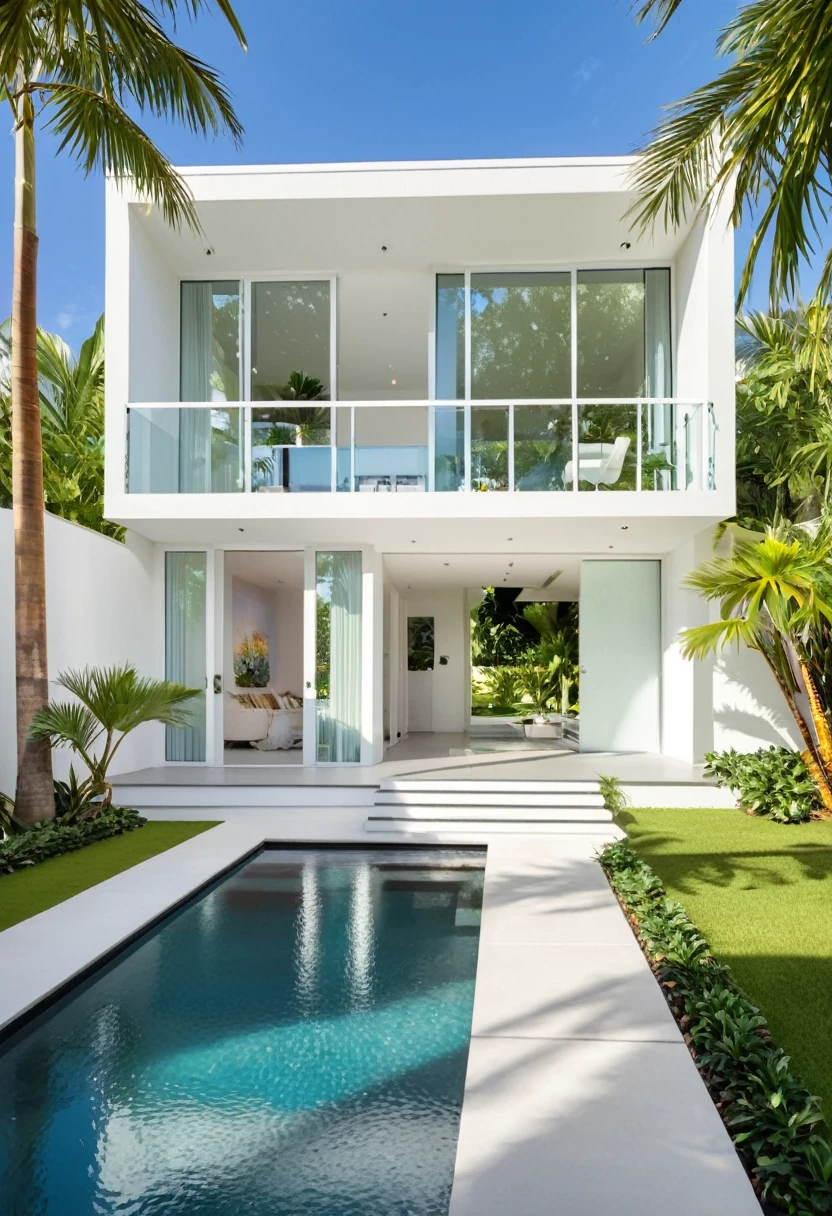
[(263, 658)]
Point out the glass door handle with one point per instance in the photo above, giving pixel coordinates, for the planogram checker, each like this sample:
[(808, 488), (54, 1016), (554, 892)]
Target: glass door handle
[(217, 684)]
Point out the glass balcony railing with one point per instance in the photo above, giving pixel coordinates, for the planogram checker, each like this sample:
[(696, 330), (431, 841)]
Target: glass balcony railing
[(646, 445)]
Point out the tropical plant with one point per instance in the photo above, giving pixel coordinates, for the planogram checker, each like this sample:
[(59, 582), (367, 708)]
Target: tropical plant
[(110, 702), (51, 839), (760, 130), (615, 799), (773, 781), (251, 661), (72, 427), (538, 687), (775, 596), (300, 387), (501, 685), (500, 633), (78, 66), (775, 1123), (784, 361)]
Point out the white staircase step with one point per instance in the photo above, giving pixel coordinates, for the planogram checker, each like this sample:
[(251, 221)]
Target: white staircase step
[(488, 787), (452, 798), (482, 827), (506, 814)]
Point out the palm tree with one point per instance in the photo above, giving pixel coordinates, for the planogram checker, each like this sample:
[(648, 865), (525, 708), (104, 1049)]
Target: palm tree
[(775, 596), (72, 427), (760, 129), (110, 702), (75, 65), (784, 363)]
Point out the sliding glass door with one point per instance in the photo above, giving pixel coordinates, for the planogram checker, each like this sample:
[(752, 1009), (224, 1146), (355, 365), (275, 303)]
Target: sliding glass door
[(186, 585), (338, 665)]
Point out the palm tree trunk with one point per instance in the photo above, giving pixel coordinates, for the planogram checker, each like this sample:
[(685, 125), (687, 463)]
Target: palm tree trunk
[(34, 798), (811, 755)]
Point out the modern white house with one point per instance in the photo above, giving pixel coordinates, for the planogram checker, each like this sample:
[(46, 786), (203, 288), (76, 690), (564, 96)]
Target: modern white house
[(365, 391)]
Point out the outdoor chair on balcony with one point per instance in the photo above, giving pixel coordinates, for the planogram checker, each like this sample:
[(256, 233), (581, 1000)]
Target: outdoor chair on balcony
[(599, 463)]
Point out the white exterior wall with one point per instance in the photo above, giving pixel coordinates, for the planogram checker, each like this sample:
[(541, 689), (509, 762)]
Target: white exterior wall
[(99, 600), (687, 687)]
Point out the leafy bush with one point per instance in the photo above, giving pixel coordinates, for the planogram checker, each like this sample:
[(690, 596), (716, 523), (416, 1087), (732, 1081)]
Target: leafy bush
[(773, 1120), (51, 837), (538, 687), (773, 781), (615, 799), (501, 684)]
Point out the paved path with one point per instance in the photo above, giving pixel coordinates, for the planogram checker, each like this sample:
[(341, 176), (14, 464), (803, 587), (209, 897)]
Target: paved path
[(581, 1098)]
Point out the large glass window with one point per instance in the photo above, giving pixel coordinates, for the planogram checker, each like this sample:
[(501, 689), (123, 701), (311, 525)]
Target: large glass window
[(450, 337), (521, 335), (290, 341), (185, 647), (338, 658), (178, 450), (209, 338), (624, 333)]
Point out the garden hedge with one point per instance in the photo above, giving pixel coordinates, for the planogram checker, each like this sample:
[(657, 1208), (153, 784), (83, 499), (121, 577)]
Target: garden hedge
[(51, 838), (775, 1123)]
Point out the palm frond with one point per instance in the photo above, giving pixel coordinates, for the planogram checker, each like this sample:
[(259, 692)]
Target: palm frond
[(102, 136), (660, 11), (701, 640), (66, 724), (121, 700)]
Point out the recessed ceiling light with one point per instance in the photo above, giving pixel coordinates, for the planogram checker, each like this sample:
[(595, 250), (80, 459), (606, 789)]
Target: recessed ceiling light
[(241, 529), (446, 563), (510, 565), (624, 245), (625, 527), (392, 381), (509, 538), (413, 542), (612, 546)]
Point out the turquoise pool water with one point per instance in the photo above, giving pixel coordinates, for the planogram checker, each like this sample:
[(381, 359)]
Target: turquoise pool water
[(292, 1042)]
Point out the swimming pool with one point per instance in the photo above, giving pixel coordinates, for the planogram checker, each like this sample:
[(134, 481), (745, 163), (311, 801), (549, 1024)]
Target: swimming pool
[(293, 1041)]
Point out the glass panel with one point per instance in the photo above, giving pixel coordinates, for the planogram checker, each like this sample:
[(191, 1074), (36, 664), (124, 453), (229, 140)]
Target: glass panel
[(290, 449), (606, 447), (489, 447), (343, 433), (657, 340), (391, 449), (184, 451), (209, 357), (659, 461), (290, 341), (521, 343), (450, 337), (421, 643), (542, 446), (185, 647), (449, 447), (338, 658), (611, 333)]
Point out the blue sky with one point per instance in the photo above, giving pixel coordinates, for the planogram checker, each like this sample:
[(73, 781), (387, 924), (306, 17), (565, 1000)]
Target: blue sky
[(339, 80)]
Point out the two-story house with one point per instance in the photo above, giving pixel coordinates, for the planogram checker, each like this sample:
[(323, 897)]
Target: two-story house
[(365, 391)]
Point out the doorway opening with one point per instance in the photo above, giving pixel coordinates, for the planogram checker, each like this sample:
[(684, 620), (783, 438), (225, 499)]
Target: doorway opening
[(262, 704), (525, 670)]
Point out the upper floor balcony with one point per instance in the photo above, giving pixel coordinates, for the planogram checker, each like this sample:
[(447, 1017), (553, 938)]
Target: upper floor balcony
[(400, 372)]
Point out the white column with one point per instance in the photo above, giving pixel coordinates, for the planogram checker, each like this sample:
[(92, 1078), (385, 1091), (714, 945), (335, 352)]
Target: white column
[(687, 687), (372, 657)]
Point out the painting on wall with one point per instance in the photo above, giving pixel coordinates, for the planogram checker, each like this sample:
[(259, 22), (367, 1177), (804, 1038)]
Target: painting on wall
[(420, 643), (251, 661)]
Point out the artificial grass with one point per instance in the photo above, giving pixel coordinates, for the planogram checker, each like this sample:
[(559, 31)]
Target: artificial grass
[(761, 893), (26, 892)]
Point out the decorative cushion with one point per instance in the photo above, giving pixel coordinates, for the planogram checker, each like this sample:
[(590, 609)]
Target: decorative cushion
[(264, 700), (244, 700)]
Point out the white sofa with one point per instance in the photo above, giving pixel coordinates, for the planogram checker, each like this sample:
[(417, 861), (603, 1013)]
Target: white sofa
[(245, 724)]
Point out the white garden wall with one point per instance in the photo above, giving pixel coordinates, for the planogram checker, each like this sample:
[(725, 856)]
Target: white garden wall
[(100, 610)]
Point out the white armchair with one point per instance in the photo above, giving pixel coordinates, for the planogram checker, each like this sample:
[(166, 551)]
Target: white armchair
[(600, 464)]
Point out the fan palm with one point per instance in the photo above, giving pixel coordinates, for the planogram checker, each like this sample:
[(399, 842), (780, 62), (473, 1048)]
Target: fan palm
[(760, 130), (72, 427), (75, 66), (110, 702), (775, 596)]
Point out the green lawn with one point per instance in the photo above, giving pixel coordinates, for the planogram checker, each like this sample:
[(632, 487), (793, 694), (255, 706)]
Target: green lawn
[(761, 893), (36, 888)]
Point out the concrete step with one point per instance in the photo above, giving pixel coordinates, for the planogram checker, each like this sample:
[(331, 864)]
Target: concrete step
[(483, 827), (466, 786), (454, 798), (503, 814)]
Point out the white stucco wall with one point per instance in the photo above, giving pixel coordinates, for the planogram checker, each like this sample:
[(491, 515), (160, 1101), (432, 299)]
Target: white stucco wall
[(450, 684), (288, 663), (100, 610)]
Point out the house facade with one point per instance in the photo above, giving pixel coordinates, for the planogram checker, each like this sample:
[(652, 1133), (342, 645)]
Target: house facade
[(363, 392)]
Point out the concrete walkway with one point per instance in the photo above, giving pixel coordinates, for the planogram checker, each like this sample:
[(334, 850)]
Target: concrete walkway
[(581, 1098)]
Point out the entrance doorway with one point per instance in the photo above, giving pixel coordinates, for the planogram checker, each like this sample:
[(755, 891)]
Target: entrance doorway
[(262, 662)]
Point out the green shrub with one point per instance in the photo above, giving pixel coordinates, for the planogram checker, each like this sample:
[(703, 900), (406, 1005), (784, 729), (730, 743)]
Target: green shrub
[(52, 837), (773, 781), (615, 799), (773, 1120), (501, 685)]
